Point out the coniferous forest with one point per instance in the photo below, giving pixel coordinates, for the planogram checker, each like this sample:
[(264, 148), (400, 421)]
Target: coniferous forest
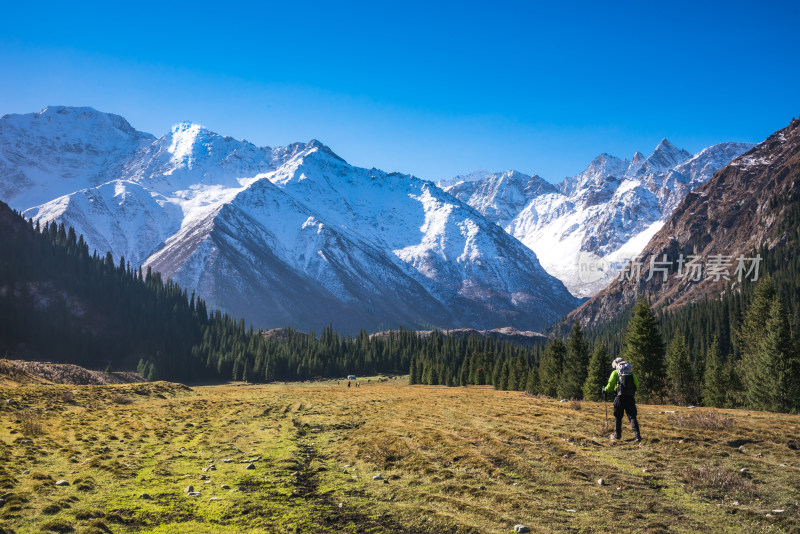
[(61, 303)]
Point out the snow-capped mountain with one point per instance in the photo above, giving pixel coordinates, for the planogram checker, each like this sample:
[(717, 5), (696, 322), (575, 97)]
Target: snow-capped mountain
[(585, 229), (287, 236)]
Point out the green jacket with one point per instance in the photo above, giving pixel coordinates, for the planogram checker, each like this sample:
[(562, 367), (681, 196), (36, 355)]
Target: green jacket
[(614, 378)]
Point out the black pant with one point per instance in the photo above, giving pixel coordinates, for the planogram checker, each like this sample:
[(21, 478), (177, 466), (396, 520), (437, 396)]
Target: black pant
[(625, 404)]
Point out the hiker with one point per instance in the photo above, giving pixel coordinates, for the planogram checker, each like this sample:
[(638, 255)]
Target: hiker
[(625, 383), (348, 383)]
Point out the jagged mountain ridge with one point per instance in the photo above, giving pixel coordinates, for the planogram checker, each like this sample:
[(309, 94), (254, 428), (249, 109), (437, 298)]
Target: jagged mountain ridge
[(740, 209), (584, 229), (286, 236)]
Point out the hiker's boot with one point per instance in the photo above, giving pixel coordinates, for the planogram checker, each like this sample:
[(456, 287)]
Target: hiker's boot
[(635, 427), (618, 429)]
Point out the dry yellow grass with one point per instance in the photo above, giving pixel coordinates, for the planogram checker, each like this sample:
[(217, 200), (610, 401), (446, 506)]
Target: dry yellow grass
[(450, 459)]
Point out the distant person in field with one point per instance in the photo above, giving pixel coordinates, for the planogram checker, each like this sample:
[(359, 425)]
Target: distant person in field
[(348, 383), (625, 383)]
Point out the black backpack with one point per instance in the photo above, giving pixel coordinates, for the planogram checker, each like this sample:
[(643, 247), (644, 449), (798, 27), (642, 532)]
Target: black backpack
[(625, 385)]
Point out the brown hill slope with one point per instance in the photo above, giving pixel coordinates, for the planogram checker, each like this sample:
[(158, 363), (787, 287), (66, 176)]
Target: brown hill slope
[(739, 210), (20, 372)]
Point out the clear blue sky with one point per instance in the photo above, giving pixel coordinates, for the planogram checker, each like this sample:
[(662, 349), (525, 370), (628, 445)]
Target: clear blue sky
[(432, 89)]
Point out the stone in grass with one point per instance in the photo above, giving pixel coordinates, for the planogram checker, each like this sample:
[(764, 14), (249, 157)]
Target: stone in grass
[(521, 528), (189, 489), (194, 494), (601, 482), (62, 483), (226, 460), (377, 477), (225, 486), (214, 499), (145, 496), (250, 466)]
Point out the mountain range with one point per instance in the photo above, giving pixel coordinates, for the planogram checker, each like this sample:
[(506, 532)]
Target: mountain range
[(285, 236), (586, 228), (750, 206)]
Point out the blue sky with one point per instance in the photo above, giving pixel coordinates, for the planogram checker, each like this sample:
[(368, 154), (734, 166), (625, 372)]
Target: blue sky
[(432, 90)]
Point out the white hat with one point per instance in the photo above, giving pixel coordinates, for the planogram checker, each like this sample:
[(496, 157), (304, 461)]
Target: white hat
[(616, 362)]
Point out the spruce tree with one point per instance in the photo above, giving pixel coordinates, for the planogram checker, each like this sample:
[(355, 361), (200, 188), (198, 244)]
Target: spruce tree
[(575, 365), (413, 377), (551, 366), (749, 342), (679, 372), (599, 371), (751, 331), (643, 347), (715, 380), (532, 383), (774, 378)]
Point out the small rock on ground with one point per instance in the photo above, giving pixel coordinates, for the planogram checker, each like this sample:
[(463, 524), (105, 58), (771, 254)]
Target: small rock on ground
[(521, 528), (377, 477), (189, 489), (62, 483), (145, 496), (250, 466), (194, 494)]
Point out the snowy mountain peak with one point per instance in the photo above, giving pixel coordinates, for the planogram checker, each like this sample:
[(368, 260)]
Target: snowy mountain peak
[(474, 176), (667, 155), (314, 144), (61, 150), (597, 220)]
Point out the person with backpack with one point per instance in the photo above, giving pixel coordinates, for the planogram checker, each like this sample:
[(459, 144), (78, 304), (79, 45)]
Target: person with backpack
[(625, 383)]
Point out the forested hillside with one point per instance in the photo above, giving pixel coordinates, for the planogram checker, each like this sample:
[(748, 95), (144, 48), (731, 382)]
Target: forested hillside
[(61, 303), (738, 350)]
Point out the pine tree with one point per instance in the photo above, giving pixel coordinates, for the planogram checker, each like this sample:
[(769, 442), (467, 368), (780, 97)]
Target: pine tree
[(599, 369), (679, 372), (532, 383), (715, 380), (551, 366), (751, 330), (413, 377), (774, 385), (643, 347), (575, 365)]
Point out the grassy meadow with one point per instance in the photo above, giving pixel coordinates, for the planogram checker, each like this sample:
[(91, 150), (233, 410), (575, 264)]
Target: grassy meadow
[(303, 457)]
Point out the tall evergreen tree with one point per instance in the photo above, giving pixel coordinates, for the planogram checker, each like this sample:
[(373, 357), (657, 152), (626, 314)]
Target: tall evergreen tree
[(643, 347), (775, 380), (715, 379), (749, 340), (551, 367), (599, 370), (751, 330), (576, 362), (532, 382), (681, 384)]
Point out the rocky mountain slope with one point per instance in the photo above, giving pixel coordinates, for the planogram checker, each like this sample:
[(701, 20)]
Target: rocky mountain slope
[(710, 240), (586, 228), (286, 236)]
